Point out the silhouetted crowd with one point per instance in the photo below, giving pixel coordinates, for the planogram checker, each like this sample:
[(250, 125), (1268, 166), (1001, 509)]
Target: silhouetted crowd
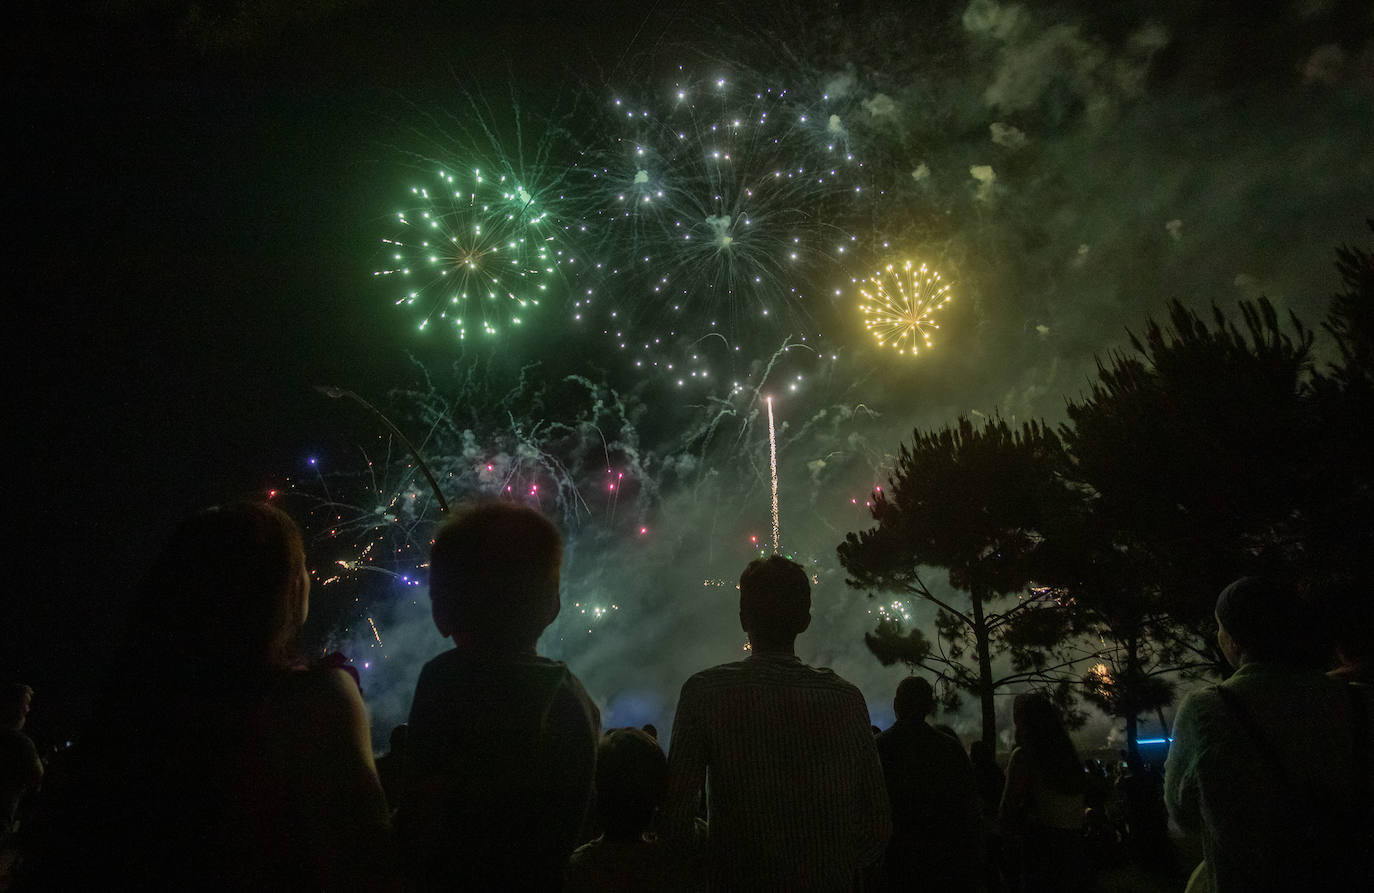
[(218, 760)]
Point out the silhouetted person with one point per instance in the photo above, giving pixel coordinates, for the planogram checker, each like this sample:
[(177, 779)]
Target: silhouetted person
[(937, 836), (1271, 767), (21, 770), (990, 781), (795, 793), (502, 742), (945, 728), (988, 775), (215, 759), (1142, 788), (1350, 621), (391, 765), (1043, 802), (631, 779)]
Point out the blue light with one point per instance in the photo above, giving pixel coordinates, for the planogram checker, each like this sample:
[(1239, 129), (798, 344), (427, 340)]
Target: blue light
[(1153, 740)]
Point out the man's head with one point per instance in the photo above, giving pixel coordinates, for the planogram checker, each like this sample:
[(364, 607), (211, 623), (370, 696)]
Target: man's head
[(774, 601), (1262, 619), (15, 708), (915, 699), (493, 576)]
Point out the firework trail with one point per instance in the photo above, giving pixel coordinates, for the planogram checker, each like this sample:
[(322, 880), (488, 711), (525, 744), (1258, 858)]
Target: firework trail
[(773, 470)]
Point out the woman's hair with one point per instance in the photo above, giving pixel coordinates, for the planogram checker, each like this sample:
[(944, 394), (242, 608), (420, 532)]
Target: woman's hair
[(1041, 734), (227, 593)]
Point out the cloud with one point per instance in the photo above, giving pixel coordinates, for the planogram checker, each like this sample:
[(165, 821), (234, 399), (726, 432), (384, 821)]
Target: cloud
[(1059, 62), (1042, 330), (1175, 229), (1027, 70), (641, 176), (841, 85), (922, 173), (719, 224), (1307, 9), (836, 126), (1326, 65), (880, 106), (990, 19), (1007, 135), (987, 181)]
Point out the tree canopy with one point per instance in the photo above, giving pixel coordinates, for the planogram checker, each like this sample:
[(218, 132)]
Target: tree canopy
[(1211, 448), (970, 500)]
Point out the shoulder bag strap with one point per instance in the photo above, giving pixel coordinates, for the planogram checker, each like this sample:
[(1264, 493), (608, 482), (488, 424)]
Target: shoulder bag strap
[(1252, 729)]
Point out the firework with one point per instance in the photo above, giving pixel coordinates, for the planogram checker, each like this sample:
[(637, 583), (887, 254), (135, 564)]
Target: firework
[(773, 470), (899, 305), (718, 206), (472, 253)]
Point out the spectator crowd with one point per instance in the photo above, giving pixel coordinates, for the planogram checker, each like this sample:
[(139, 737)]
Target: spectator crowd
[(217, 759)]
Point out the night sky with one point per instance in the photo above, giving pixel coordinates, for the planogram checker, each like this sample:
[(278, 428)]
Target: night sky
[(197, 194)]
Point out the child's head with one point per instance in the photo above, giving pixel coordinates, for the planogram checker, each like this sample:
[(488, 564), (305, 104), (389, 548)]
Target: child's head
[(631, 779), (493, 575)]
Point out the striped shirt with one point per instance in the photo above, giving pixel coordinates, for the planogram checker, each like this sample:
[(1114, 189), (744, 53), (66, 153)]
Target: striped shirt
[(796, 798)]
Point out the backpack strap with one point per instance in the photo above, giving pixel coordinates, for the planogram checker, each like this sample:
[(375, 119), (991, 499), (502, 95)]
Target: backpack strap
[(1359, 736), (1257, 737)]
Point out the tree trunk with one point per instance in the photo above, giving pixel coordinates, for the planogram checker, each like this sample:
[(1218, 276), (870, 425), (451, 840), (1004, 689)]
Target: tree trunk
[(1129, 698), (1168, 732), (980, 636)]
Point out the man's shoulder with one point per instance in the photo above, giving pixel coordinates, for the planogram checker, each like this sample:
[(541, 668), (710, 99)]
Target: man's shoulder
[(1200, 702), (923, 737), (761, 671), (14, 743), (719, 673)]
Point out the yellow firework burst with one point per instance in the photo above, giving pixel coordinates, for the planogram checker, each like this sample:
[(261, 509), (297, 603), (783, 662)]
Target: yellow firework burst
[(900, 303)]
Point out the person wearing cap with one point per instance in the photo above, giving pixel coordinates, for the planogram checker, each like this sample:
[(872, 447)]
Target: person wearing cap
[(937, 834), (1269, 768)]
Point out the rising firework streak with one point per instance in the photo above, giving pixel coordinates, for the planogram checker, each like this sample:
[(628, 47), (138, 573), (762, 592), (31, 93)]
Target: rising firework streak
[(773, 469)]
